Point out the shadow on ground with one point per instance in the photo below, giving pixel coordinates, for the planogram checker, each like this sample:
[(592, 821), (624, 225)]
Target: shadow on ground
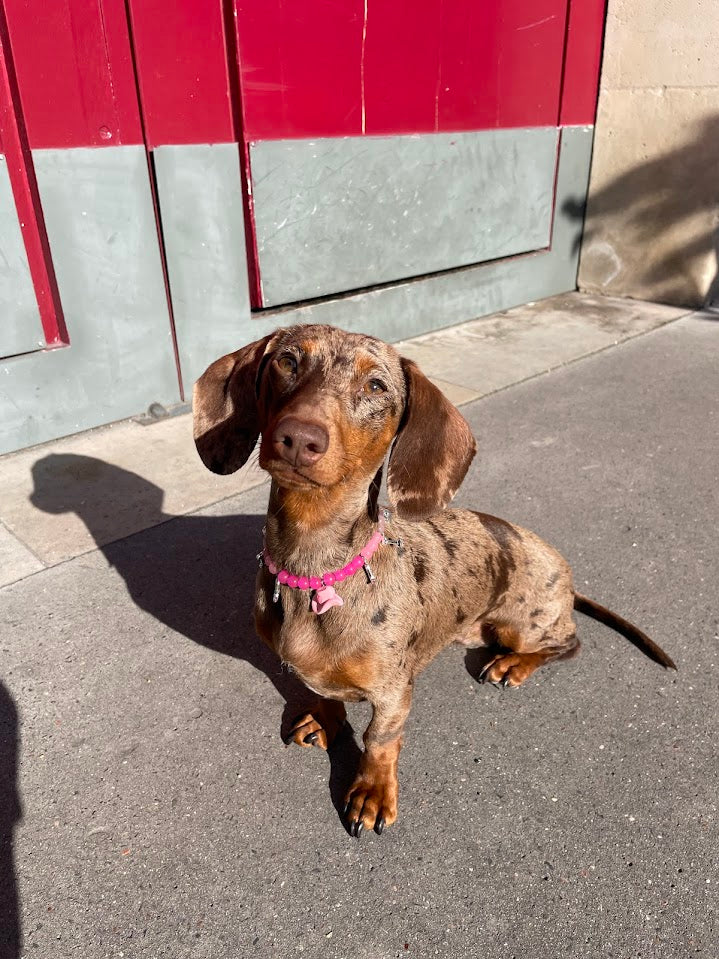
[(10, 814), (647, 204), (195, 575)]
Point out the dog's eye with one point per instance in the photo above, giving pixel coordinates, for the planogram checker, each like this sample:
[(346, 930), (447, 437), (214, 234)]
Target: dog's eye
[(374, 388), (287, 363)]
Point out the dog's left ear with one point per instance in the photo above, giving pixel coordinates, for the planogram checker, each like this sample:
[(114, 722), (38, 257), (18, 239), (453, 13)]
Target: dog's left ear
[(226, 422), (432, 451)]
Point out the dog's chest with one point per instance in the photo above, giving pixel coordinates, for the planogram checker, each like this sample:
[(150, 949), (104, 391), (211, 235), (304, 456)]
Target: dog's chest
[(318, 661)]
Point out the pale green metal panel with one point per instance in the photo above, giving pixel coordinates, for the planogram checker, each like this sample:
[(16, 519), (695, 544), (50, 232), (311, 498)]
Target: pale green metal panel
[(20, 327), (398, 310), (103, 239), (345, 213), (200, 194)]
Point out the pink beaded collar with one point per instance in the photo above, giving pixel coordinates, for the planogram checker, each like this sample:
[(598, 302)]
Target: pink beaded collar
[(322, 587)]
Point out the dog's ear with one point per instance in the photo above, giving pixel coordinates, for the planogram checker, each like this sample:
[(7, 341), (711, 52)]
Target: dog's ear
[(432, 451), (226, 423)]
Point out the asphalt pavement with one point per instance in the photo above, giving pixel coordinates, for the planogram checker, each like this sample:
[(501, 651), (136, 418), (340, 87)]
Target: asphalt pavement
[(150, 808)]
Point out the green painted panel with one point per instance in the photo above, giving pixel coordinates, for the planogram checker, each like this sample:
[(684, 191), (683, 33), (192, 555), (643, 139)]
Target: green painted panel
[(345, 213), (21, 330), (101, 227), (398, 310), (200, 194)]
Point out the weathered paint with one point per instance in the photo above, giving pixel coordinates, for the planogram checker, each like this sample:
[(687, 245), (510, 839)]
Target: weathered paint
[(75, 72), (182, 71), (341, 214), (395, 66), (582, 59), (404, 309), (201, 200), (101, 228)]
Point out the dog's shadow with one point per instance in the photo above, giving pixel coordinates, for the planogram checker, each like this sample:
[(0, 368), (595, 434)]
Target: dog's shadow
[(195, 574)]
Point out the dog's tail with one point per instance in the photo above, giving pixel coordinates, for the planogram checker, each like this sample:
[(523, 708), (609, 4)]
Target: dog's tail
[(603, 615)]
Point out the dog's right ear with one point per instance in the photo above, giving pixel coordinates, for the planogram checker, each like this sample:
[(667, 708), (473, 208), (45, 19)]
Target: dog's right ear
[(226, 423)]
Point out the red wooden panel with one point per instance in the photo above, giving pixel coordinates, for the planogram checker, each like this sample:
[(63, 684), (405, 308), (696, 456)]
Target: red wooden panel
[(300, 67), (398, 66), (501, 64), (182, 71), (582, 61), (74, 68), (14, 145)]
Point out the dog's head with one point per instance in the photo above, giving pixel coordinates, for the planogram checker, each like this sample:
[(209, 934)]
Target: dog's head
[(329, 405)]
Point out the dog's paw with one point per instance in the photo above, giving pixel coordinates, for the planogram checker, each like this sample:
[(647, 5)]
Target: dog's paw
[(319, 727), (371, 802), (509, 669)]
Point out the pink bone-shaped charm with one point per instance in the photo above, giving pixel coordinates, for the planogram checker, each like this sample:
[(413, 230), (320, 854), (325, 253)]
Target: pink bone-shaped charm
[(325, 598)]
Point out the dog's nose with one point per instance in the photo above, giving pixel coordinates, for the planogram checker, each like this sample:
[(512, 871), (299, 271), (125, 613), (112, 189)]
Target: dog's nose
[(299, 443)]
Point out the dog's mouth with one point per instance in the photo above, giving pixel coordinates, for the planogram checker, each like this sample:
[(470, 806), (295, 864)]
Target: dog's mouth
[(290, 477)]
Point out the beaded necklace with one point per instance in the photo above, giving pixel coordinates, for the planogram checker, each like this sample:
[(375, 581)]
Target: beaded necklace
[(322, 588)]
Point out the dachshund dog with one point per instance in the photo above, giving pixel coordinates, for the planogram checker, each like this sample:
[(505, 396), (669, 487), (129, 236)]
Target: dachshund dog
[(356, 600)]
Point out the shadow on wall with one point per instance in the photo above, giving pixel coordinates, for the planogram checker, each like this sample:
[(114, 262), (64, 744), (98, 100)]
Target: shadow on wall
[(653, 232), (10, 814), (195, 574)]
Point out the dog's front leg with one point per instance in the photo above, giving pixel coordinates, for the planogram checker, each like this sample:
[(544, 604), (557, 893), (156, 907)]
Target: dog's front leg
[(318, 726), (371, 801)]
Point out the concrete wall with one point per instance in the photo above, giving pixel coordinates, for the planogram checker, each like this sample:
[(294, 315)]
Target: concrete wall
[(652, 227)]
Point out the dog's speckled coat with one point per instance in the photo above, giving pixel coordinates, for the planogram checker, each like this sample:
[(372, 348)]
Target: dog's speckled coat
[(329, 405)]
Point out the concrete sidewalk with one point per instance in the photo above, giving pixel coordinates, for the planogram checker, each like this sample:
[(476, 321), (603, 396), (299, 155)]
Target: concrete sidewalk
[(161, 814)]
